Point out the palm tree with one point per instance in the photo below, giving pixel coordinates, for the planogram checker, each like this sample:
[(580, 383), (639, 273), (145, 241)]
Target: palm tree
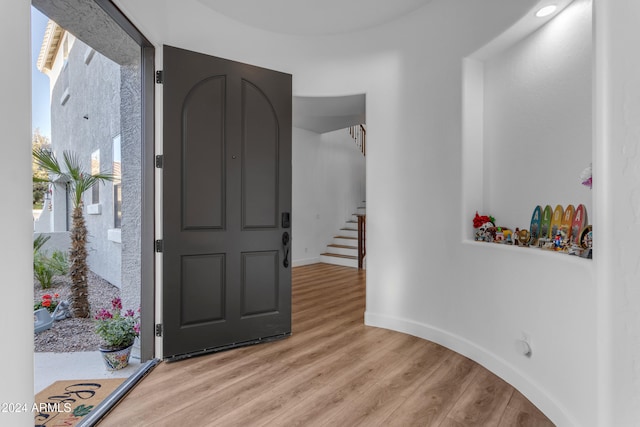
[(71, 173)]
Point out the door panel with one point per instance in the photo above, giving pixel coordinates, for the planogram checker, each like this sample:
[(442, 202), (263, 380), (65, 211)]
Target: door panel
[(259, 283), (204, 161), (260, 154), (202, 292), (226, 183)]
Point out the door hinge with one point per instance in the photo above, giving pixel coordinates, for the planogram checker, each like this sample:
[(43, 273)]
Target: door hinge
[(158, 329), (159, 77), (159, 161), (158, 245)]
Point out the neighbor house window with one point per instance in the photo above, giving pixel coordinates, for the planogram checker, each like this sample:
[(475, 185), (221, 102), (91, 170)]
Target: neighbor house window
[(65, 51), (117, 183), (95, 169)]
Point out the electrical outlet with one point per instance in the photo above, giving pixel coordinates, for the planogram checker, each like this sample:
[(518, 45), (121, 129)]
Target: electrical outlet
[(524, 345)]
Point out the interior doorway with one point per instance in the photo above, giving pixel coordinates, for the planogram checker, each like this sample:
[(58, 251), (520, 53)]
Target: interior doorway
[(329, 178)]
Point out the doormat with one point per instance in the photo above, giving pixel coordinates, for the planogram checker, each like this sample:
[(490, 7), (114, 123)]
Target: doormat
[(65, 403)]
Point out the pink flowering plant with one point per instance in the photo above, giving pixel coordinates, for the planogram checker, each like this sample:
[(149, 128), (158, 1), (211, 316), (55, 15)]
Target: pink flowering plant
[(116, 329)]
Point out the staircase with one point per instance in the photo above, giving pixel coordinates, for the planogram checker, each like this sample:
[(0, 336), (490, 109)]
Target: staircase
[(343, 250)]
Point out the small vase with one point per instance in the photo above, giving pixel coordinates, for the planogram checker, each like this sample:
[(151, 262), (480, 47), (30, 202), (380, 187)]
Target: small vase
[(116, 359)]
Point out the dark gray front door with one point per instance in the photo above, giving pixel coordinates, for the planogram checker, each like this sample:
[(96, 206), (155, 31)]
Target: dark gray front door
[(226, 200)]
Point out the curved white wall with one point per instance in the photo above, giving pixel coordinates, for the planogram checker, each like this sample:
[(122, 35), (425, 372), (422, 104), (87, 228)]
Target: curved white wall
[(528, 135)]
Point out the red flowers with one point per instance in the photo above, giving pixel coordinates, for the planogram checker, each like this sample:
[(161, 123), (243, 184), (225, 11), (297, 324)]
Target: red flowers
[(47, 301), (478, 220)]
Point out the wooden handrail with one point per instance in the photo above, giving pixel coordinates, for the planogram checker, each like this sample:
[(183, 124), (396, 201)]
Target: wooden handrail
[(362, 240)]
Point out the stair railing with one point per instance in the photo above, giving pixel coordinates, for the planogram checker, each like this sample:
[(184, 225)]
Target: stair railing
[(359, 135), (362, 239)]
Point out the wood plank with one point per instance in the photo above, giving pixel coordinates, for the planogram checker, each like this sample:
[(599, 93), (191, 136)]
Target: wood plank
[(326, 405), (340, 256), (521, 413), (483, 402), (333, 370), (437, 395), (300, 390), (382, 398)]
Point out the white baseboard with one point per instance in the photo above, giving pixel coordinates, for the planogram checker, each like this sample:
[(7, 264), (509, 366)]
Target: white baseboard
[(305, 261), (524, 384)]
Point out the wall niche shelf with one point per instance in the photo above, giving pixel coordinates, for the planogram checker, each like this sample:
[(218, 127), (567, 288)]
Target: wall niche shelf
[(527, 125)]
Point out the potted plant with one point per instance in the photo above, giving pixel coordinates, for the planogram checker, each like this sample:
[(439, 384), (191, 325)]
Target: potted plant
[(118, 331)]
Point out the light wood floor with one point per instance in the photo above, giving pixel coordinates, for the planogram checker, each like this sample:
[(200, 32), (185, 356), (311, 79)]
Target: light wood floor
[(332, 371)]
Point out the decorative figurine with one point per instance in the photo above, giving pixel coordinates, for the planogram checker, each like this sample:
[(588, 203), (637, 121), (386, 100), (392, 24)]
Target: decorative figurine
[(535, 225), (485, 226), (557, 241), (578, 223), (508, 236), (545, 224), (586, 241), (556, 221), (490, 234), (545, 243), (567, 220), (523, 237)]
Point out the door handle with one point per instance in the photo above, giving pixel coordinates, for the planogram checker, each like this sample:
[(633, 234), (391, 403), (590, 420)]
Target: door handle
[(285, 247)]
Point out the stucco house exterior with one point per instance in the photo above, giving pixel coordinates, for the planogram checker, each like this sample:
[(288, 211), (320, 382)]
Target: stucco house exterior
[(421, 73), (92, 119), (91, 131)]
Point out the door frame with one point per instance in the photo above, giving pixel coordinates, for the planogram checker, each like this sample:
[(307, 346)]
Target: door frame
[(147, 228)]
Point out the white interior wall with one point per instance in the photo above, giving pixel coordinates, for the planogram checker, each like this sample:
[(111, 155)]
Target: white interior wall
[(16, 250), (616, 198), (328, 184)]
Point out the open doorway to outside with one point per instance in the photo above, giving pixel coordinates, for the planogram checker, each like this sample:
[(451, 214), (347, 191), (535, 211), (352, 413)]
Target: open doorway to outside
[(99, 96)]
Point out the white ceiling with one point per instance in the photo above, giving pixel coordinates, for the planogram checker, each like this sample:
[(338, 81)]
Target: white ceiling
[(318, 18), (328, 113), (314, 17)]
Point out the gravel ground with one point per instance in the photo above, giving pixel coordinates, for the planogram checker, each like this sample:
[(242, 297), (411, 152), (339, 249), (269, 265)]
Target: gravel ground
[(72, 334)]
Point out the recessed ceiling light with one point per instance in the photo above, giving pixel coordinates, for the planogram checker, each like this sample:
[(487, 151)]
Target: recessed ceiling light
[(546, 11)]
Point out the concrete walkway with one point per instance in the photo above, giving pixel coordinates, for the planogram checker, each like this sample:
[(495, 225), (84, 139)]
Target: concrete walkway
[(88, 365)]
